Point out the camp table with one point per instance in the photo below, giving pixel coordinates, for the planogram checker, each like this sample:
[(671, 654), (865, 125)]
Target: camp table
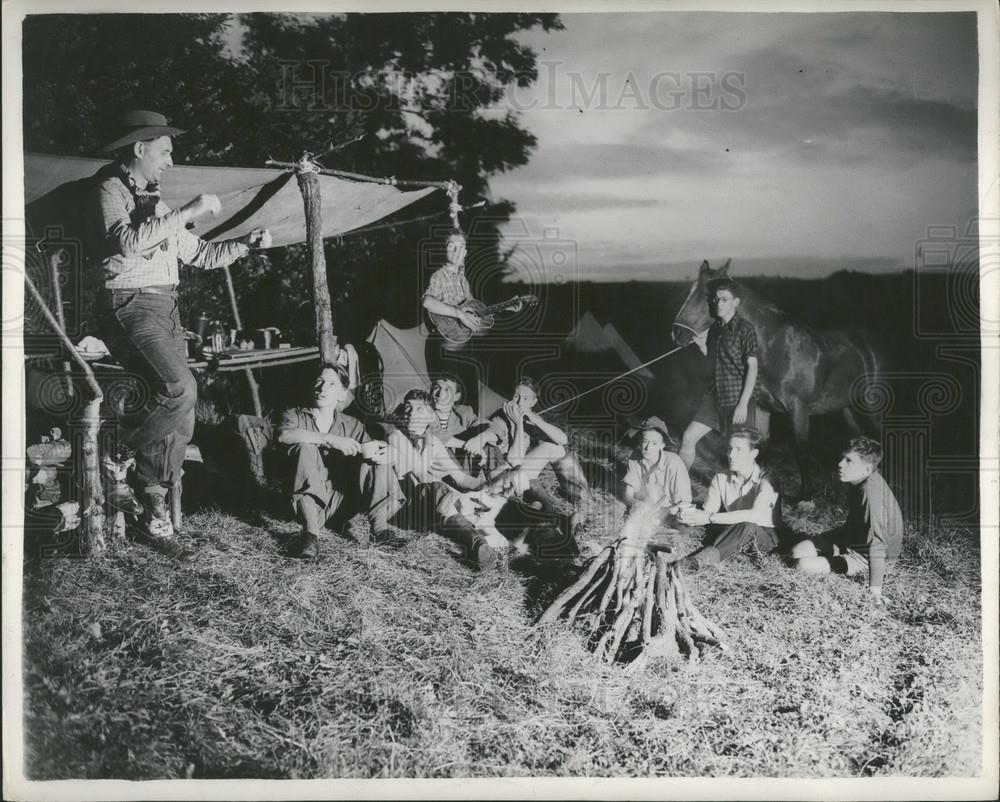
[(39, 367)]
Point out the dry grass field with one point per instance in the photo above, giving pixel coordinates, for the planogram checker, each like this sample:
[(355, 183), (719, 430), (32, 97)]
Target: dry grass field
[(400, 661)]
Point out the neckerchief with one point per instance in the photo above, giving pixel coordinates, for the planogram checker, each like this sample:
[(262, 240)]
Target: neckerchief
[(145, 201)]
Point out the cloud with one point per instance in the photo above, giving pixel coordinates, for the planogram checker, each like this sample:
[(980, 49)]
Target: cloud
[(858, 131), (589, 202), (614, 160)]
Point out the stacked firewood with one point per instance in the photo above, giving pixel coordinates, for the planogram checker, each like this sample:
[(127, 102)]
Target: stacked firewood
[(632, 600)]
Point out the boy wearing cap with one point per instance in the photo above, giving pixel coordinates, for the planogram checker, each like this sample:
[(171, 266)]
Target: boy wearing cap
[(659, 477), (138, 244), (871, 536)]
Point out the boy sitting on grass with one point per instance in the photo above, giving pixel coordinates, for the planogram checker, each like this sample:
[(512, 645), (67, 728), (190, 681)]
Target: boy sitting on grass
[(742, 505), (659, 477), (328, 477), (871, 536), (454, 422), (409, 492), (522, 443)]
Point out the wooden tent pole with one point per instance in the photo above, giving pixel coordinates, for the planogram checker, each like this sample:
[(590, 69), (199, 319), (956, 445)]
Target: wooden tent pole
[(313, 202), (92, 504), (251, 379), (60, 315)]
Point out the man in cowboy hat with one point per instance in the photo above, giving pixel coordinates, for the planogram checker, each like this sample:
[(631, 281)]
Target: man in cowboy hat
[(138, 244)]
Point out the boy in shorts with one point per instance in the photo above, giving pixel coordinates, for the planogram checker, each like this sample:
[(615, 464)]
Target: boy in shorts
[(872, 535)]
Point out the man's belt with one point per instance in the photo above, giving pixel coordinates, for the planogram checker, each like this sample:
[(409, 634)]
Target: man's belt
[(155, 289)]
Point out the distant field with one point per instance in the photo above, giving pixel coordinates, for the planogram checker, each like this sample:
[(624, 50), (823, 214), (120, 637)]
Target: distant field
[(374, 662)]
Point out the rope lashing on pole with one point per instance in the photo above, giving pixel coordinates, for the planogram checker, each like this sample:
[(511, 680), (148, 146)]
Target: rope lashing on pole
[(307, 163)]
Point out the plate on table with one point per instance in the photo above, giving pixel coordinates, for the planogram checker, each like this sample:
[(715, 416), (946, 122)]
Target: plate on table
[(92, 356), (92, 349)]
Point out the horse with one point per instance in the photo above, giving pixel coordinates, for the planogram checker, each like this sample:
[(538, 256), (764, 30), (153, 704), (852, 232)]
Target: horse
[(802, 372)]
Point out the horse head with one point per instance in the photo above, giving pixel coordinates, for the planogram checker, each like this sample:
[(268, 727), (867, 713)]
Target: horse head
[(696, 314)]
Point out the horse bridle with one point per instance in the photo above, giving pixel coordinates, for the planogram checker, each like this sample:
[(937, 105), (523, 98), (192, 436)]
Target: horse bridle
[(684, 326)]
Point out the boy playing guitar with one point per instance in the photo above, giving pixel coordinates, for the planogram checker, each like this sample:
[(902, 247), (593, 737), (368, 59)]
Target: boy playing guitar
[(449, 298)]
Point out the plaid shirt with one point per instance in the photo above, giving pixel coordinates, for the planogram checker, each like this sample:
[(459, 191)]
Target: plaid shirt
[(449, 286), (139, 241), (730, 345)]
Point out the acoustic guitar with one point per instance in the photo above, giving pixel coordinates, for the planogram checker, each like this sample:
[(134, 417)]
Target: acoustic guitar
[(457, 333)]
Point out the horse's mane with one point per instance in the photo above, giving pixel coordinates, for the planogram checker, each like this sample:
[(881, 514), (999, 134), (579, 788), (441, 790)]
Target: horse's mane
[(765, 304)]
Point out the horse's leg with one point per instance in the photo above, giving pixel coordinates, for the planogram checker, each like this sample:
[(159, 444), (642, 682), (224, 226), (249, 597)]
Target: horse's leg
[(800, 427), (763, 419), (851, 420)]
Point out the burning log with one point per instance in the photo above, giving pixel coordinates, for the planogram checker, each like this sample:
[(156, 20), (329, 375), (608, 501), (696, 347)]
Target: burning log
[(633, 601)]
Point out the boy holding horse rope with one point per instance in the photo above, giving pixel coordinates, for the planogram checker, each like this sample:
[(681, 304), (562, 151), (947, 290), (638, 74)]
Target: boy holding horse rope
[(731, 344)]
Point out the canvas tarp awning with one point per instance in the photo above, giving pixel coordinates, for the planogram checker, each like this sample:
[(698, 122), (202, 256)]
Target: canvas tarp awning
[(590, 337), (55, 188), (404, 366)]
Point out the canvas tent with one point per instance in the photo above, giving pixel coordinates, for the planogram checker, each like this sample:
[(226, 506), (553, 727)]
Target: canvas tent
[(404, 365), (318, 205), (605, 343), (55, 188)]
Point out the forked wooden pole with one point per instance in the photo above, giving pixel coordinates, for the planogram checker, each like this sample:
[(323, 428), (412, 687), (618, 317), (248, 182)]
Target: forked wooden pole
[(92, 503)]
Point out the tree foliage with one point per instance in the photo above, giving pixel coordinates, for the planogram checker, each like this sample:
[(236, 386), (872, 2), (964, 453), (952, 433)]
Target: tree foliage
[(424, 92)]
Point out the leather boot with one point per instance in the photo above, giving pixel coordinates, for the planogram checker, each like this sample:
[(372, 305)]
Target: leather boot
[(478, 551), (157, 531), (120, 497), (305, 546), (117, 492)]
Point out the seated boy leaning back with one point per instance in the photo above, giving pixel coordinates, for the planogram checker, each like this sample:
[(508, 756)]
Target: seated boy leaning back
[(525, 443), (411, 492), (871, 536), (329, 472)]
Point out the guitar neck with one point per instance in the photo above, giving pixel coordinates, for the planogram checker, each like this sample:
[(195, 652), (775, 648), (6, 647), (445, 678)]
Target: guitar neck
[(492, 309)]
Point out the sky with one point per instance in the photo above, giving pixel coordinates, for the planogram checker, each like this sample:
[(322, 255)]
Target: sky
[(796, 144)]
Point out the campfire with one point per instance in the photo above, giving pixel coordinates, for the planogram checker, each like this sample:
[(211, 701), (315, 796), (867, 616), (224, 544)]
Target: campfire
[(632, 600)]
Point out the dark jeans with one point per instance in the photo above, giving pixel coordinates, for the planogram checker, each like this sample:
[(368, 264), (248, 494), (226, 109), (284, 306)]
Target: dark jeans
[(723, 542), (143, 331)]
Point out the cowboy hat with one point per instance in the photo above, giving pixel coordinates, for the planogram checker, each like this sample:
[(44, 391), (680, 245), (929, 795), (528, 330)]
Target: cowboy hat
[(655, 424), (137, 125)]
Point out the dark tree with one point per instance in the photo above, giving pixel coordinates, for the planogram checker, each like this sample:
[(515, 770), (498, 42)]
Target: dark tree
[(423, 90)]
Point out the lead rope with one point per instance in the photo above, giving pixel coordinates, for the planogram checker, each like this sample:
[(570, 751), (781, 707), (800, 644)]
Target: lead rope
[(616, 378)]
